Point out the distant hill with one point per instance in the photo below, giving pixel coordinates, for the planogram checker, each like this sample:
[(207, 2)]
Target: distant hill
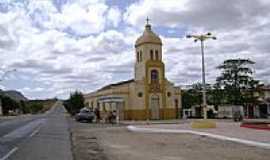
[(16, 95)]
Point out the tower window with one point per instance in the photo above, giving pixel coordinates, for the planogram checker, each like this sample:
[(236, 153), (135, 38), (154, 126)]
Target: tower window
[(154, 75), (138, 57), (152, 54), (156, 54)]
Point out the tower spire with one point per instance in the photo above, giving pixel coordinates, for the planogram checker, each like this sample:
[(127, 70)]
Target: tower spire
[(147, 20)]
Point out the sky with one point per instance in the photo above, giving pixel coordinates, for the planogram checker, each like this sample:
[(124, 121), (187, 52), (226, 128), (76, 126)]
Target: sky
[(59, 46)]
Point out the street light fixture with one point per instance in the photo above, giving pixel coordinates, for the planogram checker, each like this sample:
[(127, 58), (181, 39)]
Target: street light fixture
[(202, 38)]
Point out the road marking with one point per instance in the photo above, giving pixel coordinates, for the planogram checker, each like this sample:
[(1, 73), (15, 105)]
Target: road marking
[(35, 132), (9, 153), (23, 131), (220, 137)]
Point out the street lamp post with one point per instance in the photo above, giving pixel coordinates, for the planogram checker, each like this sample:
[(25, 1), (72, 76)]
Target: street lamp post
[(202, 38)]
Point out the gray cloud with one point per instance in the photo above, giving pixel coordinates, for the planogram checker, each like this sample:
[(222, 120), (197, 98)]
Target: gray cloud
[(6, 42), (209, 14), (42, 67), (96, 59), (125, 68), (55, 59)]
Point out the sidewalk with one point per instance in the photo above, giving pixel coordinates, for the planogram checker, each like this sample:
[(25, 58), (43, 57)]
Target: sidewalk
[(228, 129)]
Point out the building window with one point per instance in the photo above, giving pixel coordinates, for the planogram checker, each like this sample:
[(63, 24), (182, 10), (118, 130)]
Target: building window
[(152, 54), (154, 75), (140, 94), (138, 56), (156, 54), (169, 94)]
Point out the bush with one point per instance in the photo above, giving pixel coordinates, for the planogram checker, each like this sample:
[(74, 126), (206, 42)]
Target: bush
[(24, 108), (9, 104), (74, 103), (35, 108)]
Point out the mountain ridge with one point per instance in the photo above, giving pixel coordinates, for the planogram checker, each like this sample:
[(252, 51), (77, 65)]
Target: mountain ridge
[(13, 94)]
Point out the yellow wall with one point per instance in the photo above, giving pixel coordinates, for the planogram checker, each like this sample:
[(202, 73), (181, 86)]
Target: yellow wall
[(168, 113)]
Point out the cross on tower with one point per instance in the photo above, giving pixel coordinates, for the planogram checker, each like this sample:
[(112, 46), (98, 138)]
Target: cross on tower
[(147, 20)]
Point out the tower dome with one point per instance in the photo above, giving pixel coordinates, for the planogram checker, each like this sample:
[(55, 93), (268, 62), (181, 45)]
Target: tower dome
[(148, 37)]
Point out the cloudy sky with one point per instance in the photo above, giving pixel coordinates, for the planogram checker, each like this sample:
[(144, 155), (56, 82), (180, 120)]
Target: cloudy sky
[(58, 46)]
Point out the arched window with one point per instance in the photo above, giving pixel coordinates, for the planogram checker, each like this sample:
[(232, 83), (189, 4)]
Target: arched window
[(152, 54), (156, 54), (138, 56), (154, 75)]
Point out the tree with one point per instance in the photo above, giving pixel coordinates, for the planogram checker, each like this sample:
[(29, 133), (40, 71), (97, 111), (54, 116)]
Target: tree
[(24, 107), (74, 103), (9, 104), (189, 98), (252, 93), (236, 77), (35, 108), (215, 95), (193, 96)]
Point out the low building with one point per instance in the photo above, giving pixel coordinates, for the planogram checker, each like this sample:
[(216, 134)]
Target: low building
[(149, 95), (228, 111), (263, 109)]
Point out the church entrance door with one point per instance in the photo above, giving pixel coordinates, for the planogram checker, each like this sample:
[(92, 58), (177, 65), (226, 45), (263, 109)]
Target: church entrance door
[(155, 107)]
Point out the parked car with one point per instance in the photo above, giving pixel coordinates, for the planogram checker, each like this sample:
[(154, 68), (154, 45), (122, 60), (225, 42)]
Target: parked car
[(85, 115)]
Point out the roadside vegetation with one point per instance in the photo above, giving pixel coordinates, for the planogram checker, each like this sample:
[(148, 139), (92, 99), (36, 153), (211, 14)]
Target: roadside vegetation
[(235, 86), (74, 103), (15, 107)]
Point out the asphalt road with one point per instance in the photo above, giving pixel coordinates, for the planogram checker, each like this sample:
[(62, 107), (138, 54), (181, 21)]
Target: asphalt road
[(36, 137)]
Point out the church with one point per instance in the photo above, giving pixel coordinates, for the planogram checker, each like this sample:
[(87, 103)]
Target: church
[(149, 95)]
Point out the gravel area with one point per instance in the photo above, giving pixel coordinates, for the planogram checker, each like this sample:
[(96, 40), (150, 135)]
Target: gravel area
[(106, 142)]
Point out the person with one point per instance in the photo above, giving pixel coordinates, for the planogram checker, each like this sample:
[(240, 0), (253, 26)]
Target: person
[(110, 117), (114, 116), (237, 116), (97, 113)]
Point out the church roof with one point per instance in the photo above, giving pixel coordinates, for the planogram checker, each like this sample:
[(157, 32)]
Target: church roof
[(148, 37), (116, 84)]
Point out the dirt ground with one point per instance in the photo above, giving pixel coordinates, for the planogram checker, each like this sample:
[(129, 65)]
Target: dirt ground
[(104, 142)]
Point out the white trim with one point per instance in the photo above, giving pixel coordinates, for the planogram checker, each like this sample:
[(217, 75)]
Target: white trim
[(9, 153), (220, 137)]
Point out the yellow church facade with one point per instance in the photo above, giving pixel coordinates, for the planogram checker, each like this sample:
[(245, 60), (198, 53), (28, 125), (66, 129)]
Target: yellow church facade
[(149, 95)]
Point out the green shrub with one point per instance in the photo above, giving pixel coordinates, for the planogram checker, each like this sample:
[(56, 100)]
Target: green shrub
[(35, 108)]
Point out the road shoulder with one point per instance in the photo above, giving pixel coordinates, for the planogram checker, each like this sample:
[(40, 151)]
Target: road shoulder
[(85, 143)]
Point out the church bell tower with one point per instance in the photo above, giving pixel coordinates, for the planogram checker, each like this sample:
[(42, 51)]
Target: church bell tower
[(148, 50), (149, 71)]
